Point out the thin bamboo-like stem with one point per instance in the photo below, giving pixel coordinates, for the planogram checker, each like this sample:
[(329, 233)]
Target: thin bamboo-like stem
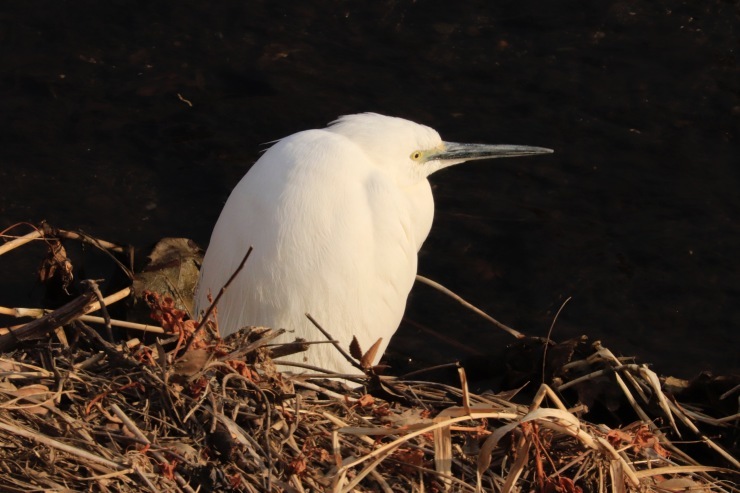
[(20, 241)]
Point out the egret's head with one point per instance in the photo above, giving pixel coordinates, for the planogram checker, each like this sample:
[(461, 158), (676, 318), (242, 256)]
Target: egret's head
[(413, 151)]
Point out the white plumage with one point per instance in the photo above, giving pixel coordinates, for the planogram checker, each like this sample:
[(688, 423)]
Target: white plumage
[(336, 217)]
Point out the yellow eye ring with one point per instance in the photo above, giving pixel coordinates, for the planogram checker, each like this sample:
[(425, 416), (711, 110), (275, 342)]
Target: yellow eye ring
[(416, 155)]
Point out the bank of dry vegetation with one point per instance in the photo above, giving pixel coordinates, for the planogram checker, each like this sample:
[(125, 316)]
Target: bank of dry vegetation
[(88, 404)]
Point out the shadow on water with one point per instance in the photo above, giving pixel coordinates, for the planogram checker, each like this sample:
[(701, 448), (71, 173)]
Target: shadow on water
[(133, 121)]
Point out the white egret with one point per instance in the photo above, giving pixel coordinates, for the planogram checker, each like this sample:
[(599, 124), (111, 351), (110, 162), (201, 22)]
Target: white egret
[(336, 217)]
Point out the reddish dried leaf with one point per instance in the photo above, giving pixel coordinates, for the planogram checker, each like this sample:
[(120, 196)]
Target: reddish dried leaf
[(168, 469), (382, 410), (644, 438), (235, 480), (366, 400), (244, 370), (369, 356), (617, 437), (409, 457), (297, 466)]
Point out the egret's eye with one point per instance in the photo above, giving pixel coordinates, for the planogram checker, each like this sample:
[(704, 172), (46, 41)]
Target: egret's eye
[(416, 156)]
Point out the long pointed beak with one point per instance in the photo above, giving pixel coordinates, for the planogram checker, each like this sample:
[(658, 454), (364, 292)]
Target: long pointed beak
[(454, 151)]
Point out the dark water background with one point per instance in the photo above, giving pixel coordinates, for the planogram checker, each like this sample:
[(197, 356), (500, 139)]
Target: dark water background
[(636, 216)]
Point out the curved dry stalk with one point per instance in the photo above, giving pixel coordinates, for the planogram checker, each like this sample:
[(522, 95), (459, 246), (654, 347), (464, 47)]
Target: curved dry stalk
[(468, 305)]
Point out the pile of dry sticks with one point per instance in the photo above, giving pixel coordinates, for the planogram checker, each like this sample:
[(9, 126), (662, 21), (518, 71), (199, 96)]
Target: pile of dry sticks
[(175, 408)]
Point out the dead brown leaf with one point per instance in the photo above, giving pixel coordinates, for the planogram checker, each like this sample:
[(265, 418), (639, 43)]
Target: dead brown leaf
[(57, 264), (354, 349), (367, 359)]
